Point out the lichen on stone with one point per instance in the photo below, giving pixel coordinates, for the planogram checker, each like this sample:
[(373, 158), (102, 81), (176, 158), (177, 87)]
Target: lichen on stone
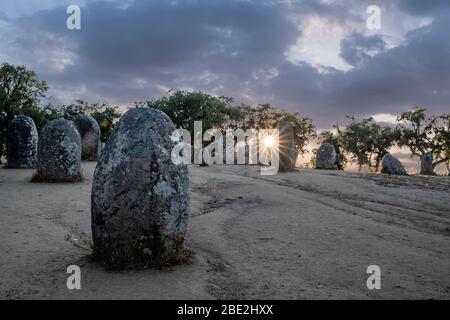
[(140, 198)]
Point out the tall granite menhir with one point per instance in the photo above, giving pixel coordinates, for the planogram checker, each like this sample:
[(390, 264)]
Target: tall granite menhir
[(90, 137), (140, 198), (59, 153), (22, 143), (426, 164), (287, 148)]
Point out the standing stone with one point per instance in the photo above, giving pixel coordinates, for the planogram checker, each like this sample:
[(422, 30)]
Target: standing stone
[(326, 157), (22, 143), (140, 198), (90, 137), (426, 164), (59, 153), (287, 148), (391, 165)]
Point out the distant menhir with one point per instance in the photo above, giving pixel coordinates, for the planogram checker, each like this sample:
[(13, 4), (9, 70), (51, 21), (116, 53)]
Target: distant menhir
[(326, 157), (89, 131), (59, 153), (22, 143)]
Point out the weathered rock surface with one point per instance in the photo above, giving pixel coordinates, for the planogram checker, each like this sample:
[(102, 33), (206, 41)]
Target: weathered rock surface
[(22, 143), (391, 165), (287, 148), (426, 164), (90, 137), (326, 157), (59, 152), (140, 198)]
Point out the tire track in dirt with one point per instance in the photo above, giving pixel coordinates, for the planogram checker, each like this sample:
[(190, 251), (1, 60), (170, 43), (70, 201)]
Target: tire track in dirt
[(402, 216)]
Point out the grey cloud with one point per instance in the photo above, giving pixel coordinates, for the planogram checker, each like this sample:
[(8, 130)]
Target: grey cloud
[(236, 48), (420, 7), (164, 42), (358, 49)]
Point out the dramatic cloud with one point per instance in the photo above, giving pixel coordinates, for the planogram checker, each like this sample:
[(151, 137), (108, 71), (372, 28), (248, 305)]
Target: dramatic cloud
[(315, 57), (358, 49)]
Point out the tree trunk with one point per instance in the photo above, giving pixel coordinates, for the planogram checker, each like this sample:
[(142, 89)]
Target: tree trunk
[(377, 164)]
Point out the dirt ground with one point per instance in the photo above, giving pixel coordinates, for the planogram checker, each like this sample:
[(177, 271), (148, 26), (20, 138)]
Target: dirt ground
[(308, 234)]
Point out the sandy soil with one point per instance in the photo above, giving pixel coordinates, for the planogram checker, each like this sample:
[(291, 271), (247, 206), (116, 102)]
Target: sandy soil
[(303, 235)]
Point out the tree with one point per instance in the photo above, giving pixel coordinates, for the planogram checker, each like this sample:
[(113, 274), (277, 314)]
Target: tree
[(304, 130), (333, 139), (184, 107), (105, 115), (367, 141), (441, 130), (106, 118), (380, 141), (417, 132), (236, 116), (355, 140), (41, 115), (264, 116), (19, 89)]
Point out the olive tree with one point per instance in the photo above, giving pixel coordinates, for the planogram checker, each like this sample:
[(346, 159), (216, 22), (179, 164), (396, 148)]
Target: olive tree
[(105, 115), (332, 138), (355, 138), (417, 131), (20, 92), (441, 131)]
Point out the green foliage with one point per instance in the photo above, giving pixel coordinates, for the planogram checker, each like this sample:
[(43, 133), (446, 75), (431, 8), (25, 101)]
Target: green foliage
[(18, 87), (20, 93), (264, 116), (185, 107), (367, 141), (304, 130), (41, 115), (333, 139), (381, 140), (416, 131), (441, 132), (105, 115), (422, 134), (355, 140), (106, 118), (261, 117)]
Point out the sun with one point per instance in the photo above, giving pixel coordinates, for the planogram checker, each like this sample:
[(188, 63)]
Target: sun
[(269, 141)]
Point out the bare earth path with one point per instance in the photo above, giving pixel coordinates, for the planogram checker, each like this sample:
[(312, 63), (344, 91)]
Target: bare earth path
[(303, 235)]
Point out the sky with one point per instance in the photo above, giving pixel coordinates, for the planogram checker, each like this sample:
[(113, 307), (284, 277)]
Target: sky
[(315, 57)]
